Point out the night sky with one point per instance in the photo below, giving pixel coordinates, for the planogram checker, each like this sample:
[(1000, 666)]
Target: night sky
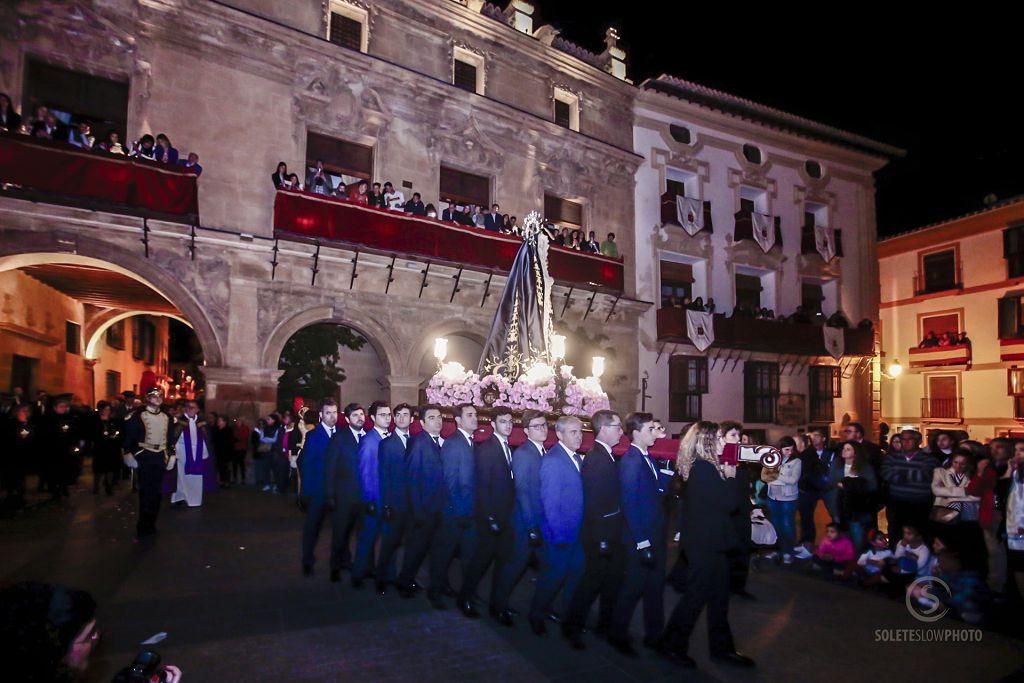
[(944, 88)]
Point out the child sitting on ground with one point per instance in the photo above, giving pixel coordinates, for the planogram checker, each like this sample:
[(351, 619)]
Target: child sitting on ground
[(835, 552), (911, 560), (873, 561)]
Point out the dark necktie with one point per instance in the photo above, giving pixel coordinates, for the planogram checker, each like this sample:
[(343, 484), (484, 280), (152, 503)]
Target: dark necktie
[(577, 461), (436, 442)]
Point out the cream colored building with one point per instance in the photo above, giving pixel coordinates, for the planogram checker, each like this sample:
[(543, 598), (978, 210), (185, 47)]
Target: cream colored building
[(961, 275), (733, 162)]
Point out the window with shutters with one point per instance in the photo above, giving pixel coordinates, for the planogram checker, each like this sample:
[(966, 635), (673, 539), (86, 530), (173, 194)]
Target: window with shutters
[(72, 337), (748, 292), (143, 340), (468, 70), (687, 383), (563, 212), (346, 26), (811, 297), (825, 385), (115, 335), (460, 187), (567, 109), (1015, 389), (344, 161), (113, 382), (938, 272), (676, 283), (1011, 316), (760, 391), (1013, 251)]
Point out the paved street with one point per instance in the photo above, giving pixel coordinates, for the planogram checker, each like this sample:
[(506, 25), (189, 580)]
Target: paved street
[(224, 583)]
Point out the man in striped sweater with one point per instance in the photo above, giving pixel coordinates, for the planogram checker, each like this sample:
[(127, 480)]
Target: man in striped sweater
[(908, 477)]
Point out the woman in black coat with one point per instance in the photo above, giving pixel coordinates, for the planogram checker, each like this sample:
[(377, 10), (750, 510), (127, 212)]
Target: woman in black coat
[(708, 535), (107, 438), (222, 440)]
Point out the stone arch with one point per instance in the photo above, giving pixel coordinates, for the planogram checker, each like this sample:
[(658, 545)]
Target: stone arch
[(377, 336), (94, 331), (23, 248)]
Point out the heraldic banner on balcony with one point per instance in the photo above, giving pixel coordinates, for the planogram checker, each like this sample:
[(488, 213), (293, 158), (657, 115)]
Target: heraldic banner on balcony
[(835, 341), (690, 214), (700, 328)]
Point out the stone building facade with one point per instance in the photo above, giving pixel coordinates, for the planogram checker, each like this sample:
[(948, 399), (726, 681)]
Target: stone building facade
[(244, 84)]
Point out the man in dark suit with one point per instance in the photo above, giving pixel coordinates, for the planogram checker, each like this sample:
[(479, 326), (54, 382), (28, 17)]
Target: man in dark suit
[(644, 537), (739, 558), (426, 496), (449, 212), (343, 487), (603, 550), (369, 477), (561, 496), (526, 516), (312, 464), (393, 474), (492, 221), (495, 495), (415, 205), (816, 462), (457, 533)]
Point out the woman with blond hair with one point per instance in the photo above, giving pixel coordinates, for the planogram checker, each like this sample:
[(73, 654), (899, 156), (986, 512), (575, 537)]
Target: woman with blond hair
[(707, 536)]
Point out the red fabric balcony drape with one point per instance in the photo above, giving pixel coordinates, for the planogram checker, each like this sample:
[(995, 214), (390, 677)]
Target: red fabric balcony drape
[(392, 232), (49, 166)]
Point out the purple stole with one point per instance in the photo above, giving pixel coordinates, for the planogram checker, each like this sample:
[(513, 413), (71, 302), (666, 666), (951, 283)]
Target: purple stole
[(194, 461)]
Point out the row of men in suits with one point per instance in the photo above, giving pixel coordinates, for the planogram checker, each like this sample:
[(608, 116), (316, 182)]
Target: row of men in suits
[(596, 524)]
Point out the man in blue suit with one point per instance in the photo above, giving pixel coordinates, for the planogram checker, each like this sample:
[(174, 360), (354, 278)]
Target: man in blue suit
[(312, 464), (343, 487), (394, 507), (561, 497), (427, 495), (644, 537), (369, 477), (457, 533), (603, 550), (495, 499), (526, 517)]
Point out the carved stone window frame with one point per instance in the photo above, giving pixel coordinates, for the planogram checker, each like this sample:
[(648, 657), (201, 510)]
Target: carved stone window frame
[(470, 55), (571, 97)]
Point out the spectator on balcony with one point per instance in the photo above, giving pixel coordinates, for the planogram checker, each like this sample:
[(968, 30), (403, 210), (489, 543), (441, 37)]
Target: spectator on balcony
[(952, 337), (837, 319), (591, 245), (609, 247), (362, 195), (562, 237), (144, 148), (393, 198), (449, 211), (963, 339), (280, 176), (376, 195), (165, 151), (709, 307), (341, 191), (81, 135), (317, 180), (415, 205), (9, 119), (698, 305), (493, 220), (56, 129), (431, 211), (506, 224), (476, 216), (192, 164), (513, 226), (293, 182), (111, 144), (930, 340)]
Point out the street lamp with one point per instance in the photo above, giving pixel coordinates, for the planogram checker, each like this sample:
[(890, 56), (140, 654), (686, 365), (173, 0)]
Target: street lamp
[(895, 369), (557, 347), (440, 349), (597, 369)]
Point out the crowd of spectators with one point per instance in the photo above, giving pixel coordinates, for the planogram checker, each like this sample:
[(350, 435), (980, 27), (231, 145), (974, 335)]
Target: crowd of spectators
[(320, 181), (47, 124), (950, 338)]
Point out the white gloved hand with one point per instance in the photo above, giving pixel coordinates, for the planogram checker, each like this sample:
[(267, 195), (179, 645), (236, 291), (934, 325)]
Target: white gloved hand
[(292, 460), (130, 461), (171, 462)]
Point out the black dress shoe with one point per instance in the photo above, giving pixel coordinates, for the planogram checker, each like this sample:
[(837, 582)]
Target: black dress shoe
[(357, 583), (382, 587), (734, 658), (335, 575), (307, 570), (554, 618), (467, 608), (504, 618), (436, 602), (537, 626), (623, 647)]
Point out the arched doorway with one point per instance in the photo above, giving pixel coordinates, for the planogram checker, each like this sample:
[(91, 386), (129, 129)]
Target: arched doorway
[(75, 324), (330, 359)]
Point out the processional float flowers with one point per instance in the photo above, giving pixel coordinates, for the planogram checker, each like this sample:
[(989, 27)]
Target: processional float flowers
[(522, 364)]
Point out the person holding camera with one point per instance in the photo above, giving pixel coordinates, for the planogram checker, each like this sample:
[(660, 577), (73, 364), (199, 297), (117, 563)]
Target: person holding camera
[(49, 633)]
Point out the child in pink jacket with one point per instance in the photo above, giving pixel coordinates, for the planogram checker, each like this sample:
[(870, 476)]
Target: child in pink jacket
[(835, 552)]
